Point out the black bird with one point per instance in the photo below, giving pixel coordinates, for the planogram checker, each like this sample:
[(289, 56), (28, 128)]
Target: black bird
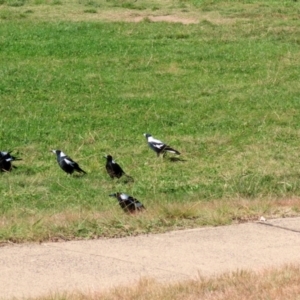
[(113, 169), (158, 146), (5, 161), (66, 163), (128, 203)]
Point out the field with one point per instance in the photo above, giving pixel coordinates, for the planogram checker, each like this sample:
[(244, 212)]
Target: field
[(217, 80)]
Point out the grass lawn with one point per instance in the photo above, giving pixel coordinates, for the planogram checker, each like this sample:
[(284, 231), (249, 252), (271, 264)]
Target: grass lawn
[(219, 82)]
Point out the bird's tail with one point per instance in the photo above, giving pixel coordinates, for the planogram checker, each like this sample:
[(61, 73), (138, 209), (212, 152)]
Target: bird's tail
[(169, 149), (15, 158), (82, 171)]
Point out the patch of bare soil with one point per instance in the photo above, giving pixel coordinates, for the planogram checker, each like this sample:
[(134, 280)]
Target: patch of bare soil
[(188, 18), (169, 18), (77, 13), (135, 17)]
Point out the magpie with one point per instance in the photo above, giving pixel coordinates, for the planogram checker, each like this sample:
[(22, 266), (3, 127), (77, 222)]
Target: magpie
[(158, 146), (128, 203), (5, 161), (66, 163), (113, 169)]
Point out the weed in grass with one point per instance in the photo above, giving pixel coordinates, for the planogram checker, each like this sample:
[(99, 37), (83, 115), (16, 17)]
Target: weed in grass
[(132, 5), (92, 3), (90, 11), (147, 20), (56, 2), (15, 3), (5, 15)]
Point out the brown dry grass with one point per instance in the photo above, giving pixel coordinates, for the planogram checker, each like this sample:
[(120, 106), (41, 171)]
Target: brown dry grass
[(77, 11), (276, 284), (74, 224)]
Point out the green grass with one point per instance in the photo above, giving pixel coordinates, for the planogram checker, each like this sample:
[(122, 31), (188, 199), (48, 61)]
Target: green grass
[(224, 92)]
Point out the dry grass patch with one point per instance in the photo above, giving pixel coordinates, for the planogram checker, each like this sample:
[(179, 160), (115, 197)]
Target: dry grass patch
[(170, 18), (276, 284), (82, 224), (120, 11)]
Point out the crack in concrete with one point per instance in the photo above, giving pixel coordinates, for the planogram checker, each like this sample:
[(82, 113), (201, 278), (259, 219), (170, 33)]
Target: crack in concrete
[(278, 226)]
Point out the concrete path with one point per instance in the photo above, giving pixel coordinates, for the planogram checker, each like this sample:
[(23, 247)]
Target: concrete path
[(35, 270)]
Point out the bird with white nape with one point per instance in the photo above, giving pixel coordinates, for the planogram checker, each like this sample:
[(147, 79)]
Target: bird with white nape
[(158, 146), (66, 163), (128, 203)]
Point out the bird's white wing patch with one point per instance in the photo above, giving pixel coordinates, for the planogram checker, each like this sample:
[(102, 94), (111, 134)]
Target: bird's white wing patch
[(113, 161), (171, 151), (159, 146), (152, 140), (69, 162), (124, 196), (4, 153)]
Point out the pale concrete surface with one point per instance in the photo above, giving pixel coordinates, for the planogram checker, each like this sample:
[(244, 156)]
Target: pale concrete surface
[(35, 270)]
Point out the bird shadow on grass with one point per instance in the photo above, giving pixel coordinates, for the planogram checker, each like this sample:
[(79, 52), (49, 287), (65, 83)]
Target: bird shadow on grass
[(77, 176), (176, 159), (125, 179)]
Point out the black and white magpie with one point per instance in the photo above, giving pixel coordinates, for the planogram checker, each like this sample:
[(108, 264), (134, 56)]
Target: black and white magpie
[(113, 169), (128, 203), (158, 146), (66, 163), (5, 161)]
